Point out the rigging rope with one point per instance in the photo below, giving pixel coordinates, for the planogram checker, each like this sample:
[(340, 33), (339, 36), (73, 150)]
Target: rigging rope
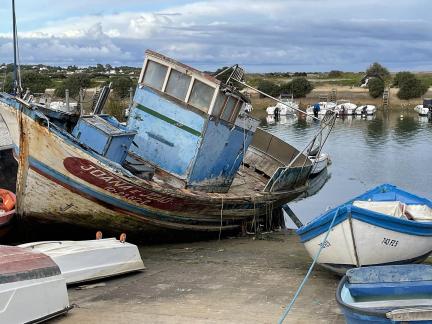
[(291, 304)]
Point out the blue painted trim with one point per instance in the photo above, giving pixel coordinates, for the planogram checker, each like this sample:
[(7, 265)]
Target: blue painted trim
[(385, 192), (390, 289)]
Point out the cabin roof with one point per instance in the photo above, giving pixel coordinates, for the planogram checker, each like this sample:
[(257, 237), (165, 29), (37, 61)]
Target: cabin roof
[(169, 60)]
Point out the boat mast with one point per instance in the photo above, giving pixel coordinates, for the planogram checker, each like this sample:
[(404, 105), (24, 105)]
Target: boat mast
[(16, 76)]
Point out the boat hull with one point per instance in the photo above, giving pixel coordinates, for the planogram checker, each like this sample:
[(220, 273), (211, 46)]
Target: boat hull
[(346, 248), (363, 237), (388, 294), (81, 261), (61, 181), (320, 163)]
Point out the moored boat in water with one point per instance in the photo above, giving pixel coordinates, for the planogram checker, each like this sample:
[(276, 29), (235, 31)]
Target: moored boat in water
[(385, 225), (345, 108), (324, 106), (366, 110)]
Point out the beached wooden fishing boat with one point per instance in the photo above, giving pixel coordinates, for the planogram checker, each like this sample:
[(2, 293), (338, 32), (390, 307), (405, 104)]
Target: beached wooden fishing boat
[(385, 225), (32, 289), (176, 165), (81, 261), (387, 294)]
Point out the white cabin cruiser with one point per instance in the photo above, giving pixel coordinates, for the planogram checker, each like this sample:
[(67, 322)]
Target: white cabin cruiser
[(345, 108), (366, 110), (323, 105), (81, 261), (421, 110), (286, 106), (32, 288)]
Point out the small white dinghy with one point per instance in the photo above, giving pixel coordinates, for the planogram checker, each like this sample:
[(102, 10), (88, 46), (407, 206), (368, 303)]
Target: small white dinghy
[(319, 163), (81, 261), (32, 288)]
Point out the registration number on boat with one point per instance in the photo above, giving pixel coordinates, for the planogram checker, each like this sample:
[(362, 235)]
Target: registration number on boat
[(389, 242)]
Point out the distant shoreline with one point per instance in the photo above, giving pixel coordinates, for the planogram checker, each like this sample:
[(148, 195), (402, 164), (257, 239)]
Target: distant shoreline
[(356, 95)]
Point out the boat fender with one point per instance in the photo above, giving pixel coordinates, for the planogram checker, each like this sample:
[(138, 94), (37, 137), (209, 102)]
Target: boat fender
[(98, 235), (8, 200), (122, 237)]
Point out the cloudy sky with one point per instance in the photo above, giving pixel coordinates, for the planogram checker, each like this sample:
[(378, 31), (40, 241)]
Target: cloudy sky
[(270, 35)]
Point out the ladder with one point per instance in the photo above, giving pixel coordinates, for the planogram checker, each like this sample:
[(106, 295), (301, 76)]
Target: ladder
[(333, 95), (95, 98), (386, 97)]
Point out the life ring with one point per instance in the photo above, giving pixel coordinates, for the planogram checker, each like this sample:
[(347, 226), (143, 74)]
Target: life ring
[(8, 200)]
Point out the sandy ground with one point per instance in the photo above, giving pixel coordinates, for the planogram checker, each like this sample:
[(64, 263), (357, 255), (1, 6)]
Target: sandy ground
[(238, 280)]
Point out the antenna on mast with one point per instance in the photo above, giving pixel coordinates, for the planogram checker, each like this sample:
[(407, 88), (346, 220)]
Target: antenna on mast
[(16, 72)]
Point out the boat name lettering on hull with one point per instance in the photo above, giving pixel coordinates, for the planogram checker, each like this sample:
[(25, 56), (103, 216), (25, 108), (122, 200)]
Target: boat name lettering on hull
[(389, 242), (93, 174)]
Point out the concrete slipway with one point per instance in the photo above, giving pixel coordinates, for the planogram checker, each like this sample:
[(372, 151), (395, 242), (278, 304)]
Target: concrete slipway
[(235, 280)]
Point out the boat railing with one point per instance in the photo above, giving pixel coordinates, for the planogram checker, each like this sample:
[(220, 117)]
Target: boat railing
[(327, 124)]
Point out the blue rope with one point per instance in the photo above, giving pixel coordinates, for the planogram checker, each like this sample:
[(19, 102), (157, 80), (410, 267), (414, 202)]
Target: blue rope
[(287, 310)]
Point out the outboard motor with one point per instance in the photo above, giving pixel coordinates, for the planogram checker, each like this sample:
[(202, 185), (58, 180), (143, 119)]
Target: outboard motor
[(316, 109), (277, 113)]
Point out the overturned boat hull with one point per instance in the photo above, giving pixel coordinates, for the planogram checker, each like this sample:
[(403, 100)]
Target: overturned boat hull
[(82, 261)]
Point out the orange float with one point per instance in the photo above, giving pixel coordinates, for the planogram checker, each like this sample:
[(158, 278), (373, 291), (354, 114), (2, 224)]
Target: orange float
[(7, 200)]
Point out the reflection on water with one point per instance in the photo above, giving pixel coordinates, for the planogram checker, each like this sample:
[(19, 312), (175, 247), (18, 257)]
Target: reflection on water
[(365, 152)]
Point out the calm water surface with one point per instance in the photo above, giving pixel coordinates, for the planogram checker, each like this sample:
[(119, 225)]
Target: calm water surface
[(365, 153)]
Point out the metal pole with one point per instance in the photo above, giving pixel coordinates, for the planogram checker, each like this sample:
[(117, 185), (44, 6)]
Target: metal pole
[(130, 97), (15, 71), (67, 99), (81, 100)]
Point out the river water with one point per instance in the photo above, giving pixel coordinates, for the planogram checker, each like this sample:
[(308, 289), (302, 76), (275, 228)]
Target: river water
[(386, 148)]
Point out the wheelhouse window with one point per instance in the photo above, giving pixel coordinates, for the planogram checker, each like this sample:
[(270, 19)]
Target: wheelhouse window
[(201, 95), (219, 104), (155, 74), (236, 111), (229, 108), (178, 84)]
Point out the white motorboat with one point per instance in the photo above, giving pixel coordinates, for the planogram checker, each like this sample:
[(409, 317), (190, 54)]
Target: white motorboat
[(324, 106), (32, 288), (286, 106), (345, 108), (425, 109), (319, 163), (421, 110), (366, 110), (81, 261)]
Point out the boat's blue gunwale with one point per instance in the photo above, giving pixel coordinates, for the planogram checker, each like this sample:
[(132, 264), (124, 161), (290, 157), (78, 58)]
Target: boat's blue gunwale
[(321, 224), (381, 313)]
